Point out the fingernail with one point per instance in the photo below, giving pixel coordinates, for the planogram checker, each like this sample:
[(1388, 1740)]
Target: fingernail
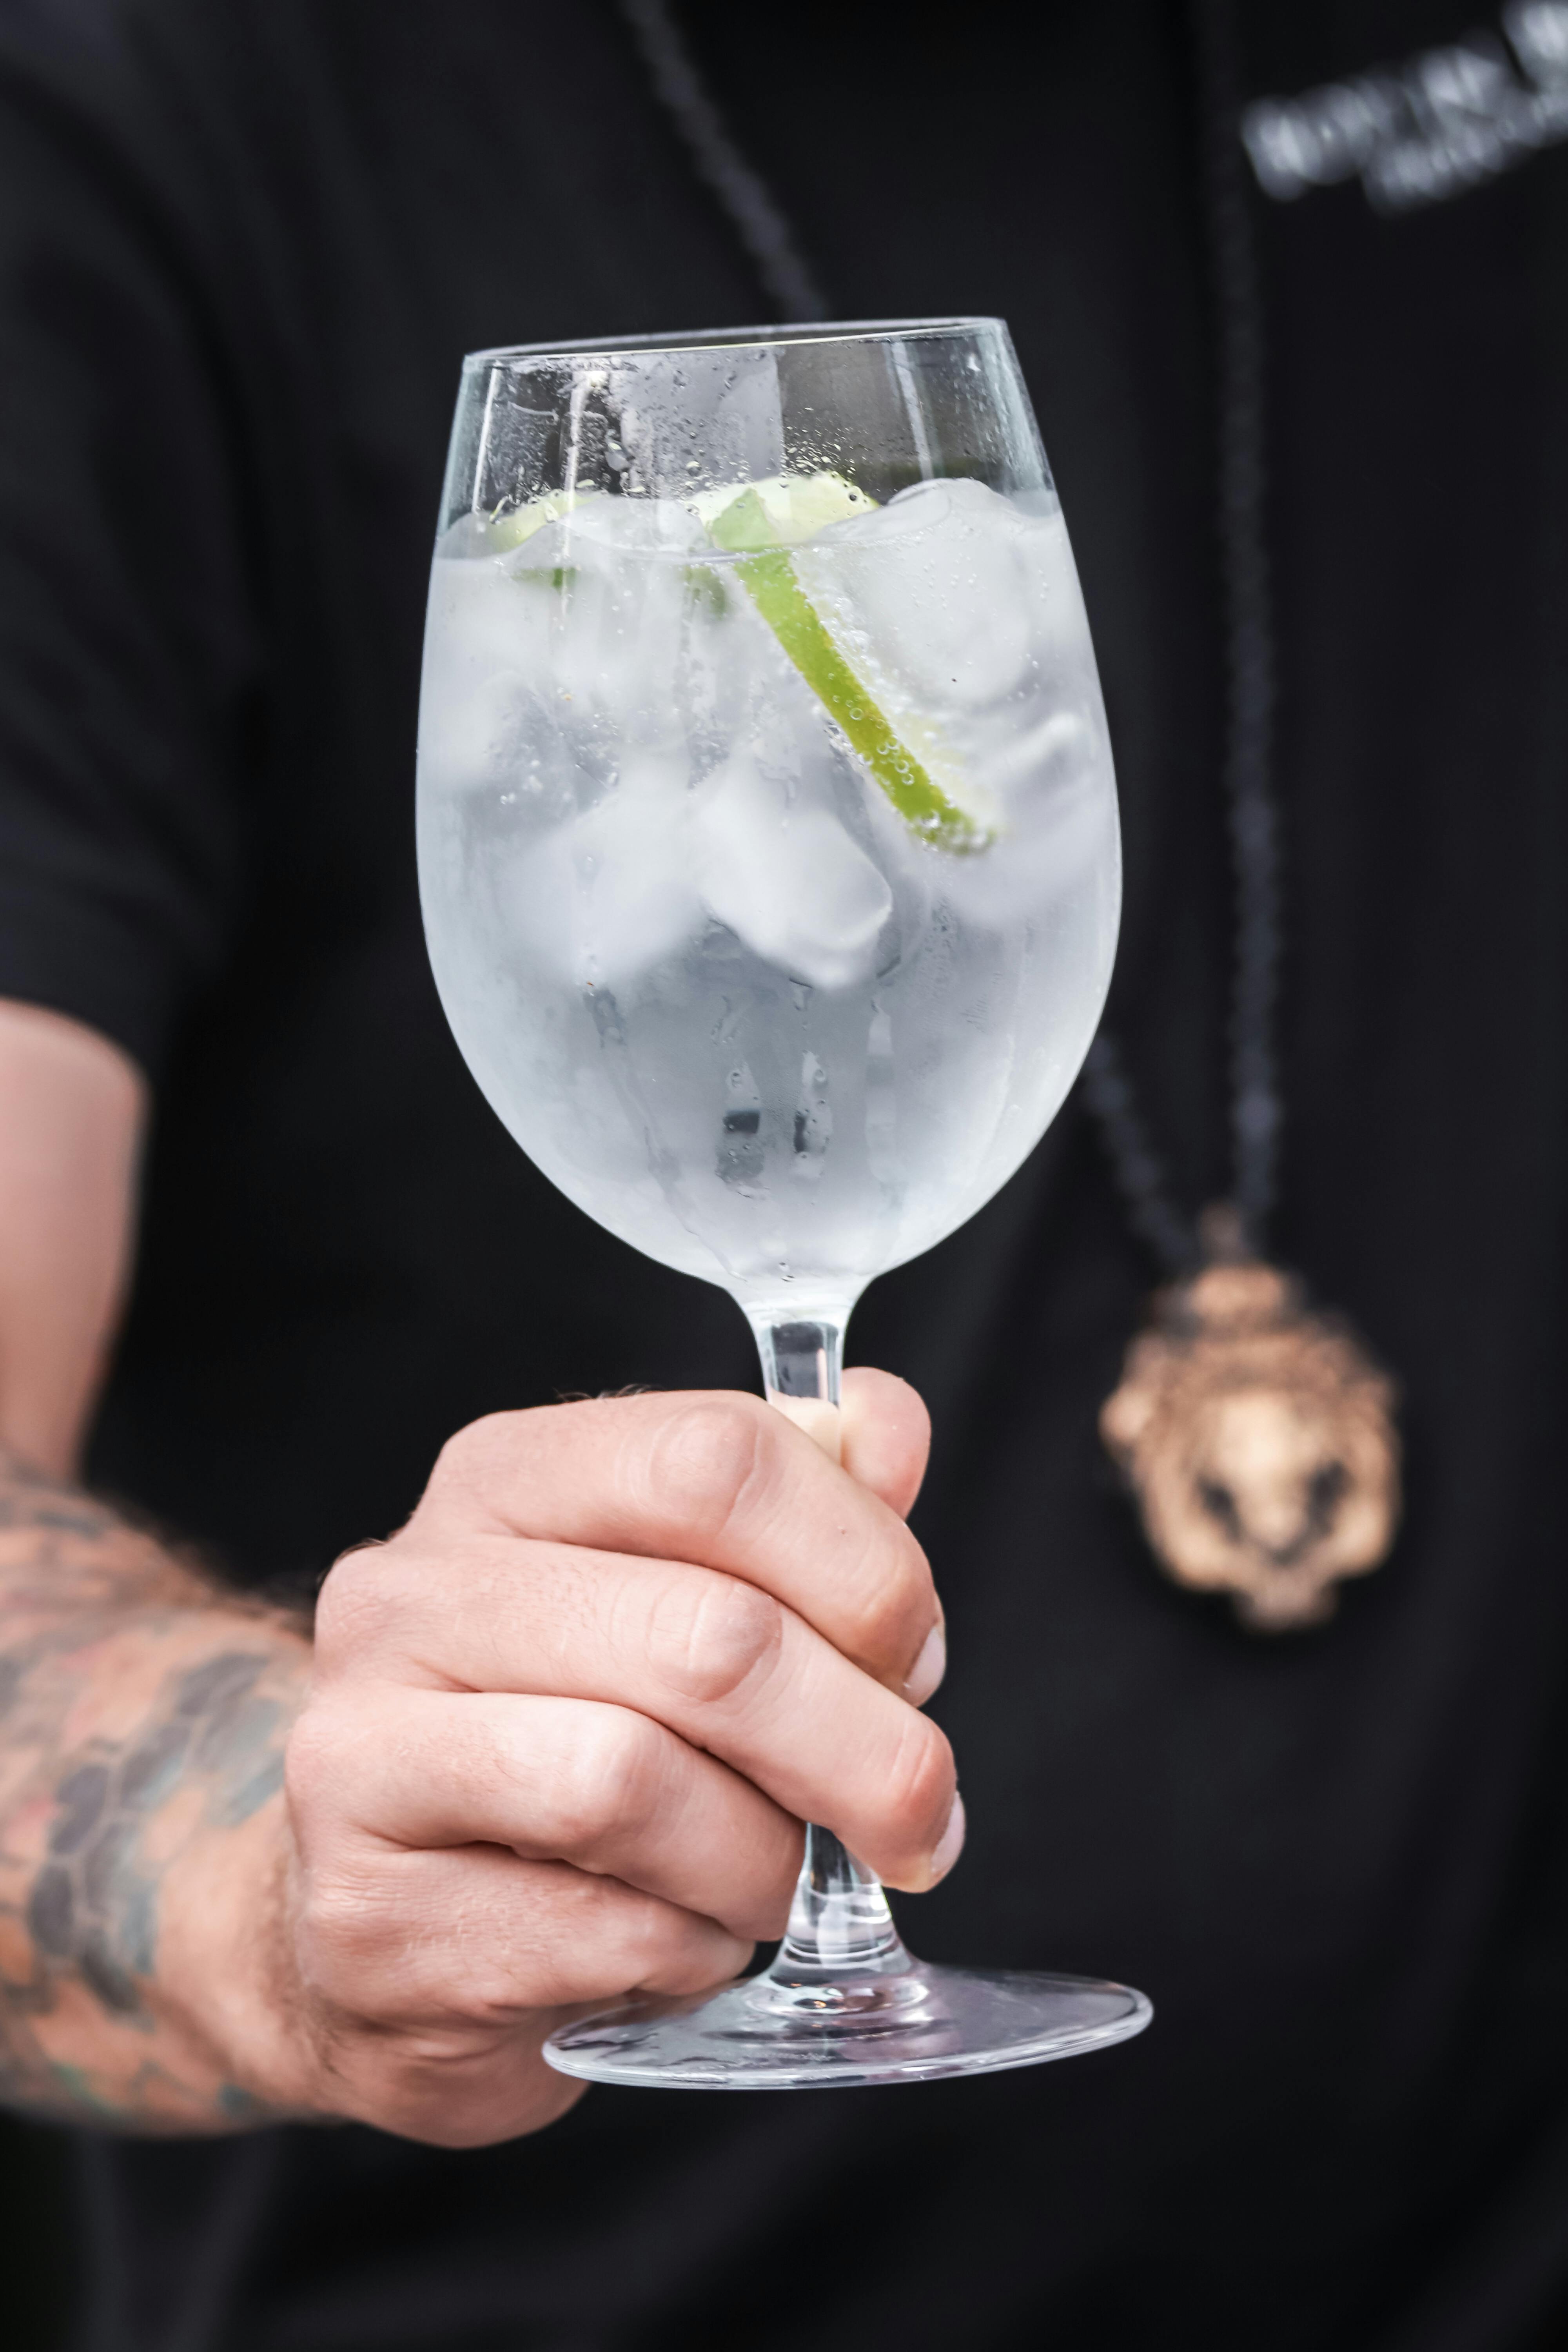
[(950, 1845), (929, 1667)]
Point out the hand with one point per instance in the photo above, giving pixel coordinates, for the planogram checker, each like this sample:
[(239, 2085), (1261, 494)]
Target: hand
[(564, 1730)]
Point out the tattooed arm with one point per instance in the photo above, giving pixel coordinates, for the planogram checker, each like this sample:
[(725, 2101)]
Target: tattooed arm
[(143, 1719), (141, 1715)]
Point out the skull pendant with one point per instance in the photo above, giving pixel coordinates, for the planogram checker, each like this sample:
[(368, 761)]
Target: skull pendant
[(1260, 1441)]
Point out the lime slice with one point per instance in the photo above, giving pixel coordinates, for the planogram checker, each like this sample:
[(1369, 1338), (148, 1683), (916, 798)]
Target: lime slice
[(509, 531), (757, 521), (796, 506)]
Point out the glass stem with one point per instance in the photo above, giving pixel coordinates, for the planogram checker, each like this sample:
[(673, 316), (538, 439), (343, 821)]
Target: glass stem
[(839, 1924)]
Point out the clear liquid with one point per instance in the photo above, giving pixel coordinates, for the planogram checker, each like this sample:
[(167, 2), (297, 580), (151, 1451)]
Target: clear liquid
[(712, 979)]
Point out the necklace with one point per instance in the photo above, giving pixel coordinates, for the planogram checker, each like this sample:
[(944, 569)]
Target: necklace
[(1257, 1436)]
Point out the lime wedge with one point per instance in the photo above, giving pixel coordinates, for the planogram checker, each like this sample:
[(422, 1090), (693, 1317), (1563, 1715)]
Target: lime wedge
[(752, 526)]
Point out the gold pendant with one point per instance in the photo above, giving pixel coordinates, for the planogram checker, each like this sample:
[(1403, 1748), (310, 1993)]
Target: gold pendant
[(1259, 1439)]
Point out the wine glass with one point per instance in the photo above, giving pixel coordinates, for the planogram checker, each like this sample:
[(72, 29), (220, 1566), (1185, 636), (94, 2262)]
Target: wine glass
[(770, 876)]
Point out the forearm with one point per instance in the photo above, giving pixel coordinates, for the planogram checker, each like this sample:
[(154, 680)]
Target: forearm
[(143, 1719)]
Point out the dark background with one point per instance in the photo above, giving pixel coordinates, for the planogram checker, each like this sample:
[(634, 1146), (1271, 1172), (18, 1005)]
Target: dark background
[(37, 2288), (1337, 1867)]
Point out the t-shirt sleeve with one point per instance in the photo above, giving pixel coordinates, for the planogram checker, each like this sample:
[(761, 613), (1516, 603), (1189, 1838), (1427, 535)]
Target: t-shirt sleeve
[(130, 670)]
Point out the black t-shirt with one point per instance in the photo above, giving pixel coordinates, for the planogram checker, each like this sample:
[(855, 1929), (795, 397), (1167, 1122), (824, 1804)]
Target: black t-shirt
[(243, 245)]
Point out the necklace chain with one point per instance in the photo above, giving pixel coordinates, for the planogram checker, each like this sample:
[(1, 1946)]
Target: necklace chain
[(754, 210), (767, 237), (1250, 663)]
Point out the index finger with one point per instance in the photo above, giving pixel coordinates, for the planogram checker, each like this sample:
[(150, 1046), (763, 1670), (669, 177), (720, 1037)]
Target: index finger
[(712, 1477)]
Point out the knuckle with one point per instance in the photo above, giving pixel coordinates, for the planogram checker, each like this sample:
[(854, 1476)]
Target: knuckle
[(351, 1605), (473, 1454), (709, 1638), (615, 1777), (346, 1925), (658, 1945), (595, 1937), (704, 1458), (340, 1913), (646, 1932), (888, 1604)]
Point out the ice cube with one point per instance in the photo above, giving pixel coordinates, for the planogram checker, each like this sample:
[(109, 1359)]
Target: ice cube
[(622, 525), (1038, 758), (933, 589), (606, 897), (1061, 831), (1050, 574), (787, 877), (611, 589), (479, 650)]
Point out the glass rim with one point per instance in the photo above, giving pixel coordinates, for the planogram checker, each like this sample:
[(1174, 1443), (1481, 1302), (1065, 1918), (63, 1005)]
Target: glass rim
[(827, 330)]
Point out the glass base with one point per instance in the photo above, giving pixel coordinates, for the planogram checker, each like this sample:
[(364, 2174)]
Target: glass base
[(911, 2024)]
